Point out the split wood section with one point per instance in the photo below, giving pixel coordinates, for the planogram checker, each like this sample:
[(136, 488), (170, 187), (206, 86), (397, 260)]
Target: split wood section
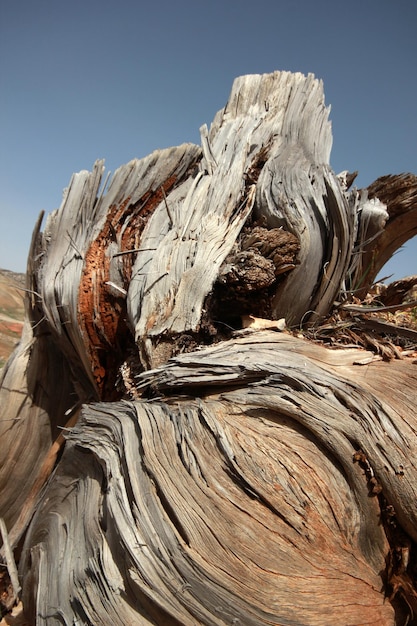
[(216, 475)]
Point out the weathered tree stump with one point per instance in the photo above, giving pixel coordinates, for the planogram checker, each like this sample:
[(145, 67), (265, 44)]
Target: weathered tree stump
[(167, 457)]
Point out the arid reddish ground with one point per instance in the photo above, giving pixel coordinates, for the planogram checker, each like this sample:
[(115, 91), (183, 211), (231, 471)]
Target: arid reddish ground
[(11, 312)]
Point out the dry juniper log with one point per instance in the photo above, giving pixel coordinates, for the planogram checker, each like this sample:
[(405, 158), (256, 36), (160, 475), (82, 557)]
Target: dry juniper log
[(163, 463)]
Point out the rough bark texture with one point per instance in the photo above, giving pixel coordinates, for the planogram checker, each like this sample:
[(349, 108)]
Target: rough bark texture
[(160, 464)]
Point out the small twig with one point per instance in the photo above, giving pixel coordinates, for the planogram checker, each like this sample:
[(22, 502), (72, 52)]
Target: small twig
[(309, 312), (39, 322), (72, 242), (133, 251), (116, 287), (154, 283), (166, 206), (113, 232), (223, 324), (35, 293), (147, 273), (10, 562), (387, 328), (358, 308), (72, 409)]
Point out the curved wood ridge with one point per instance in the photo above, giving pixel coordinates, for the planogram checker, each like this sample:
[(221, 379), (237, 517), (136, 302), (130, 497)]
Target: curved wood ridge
[(240, 502)]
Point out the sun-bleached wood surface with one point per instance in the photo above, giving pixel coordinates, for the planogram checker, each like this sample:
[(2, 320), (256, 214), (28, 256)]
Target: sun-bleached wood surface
[(160, 464), (240, 502)]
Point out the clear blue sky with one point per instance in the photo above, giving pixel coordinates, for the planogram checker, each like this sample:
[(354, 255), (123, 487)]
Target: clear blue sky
[(88, 79)]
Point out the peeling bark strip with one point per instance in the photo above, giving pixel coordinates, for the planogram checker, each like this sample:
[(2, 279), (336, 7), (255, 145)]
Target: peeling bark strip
[(216, 475)]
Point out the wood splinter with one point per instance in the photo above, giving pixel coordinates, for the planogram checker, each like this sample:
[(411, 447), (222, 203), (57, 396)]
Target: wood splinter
[(10, 563)]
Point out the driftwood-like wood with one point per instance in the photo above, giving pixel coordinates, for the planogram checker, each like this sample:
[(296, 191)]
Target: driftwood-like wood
[(166, 457), (242, 501)]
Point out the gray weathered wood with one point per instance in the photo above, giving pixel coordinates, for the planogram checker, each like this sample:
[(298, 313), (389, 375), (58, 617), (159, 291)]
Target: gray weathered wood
[(160, 463), (240, 502)]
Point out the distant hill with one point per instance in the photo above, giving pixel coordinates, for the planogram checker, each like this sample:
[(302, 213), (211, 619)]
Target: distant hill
[(11, 311)]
